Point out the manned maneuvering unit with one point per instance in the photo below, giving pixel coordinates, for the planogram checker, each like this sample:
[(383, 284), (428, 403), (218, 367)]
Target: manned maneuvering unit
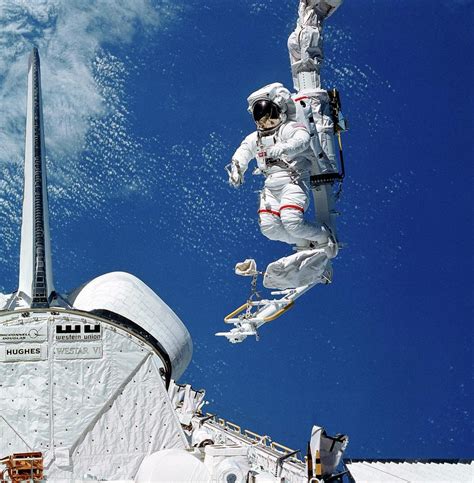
[(87, 379), (295, 149)]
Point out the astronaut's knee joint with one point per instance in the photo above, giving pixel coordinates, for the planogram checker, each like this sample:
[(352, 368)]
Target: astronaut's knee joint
[(291, 220), (270, 227)]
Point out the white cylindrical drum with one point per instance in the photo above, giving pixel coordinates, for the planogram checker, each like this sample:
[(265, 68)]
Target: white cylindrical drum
[(126, 295)]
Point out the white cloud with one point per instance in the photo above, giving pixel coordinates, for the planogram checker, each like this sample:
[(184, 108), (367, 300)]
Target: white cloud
[(88, 141), (69, 35)]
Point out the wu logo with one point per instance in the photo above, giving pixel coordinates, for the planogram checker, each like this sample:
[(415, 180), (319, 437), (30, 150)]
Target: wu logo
[(71, 332), (68, 329)]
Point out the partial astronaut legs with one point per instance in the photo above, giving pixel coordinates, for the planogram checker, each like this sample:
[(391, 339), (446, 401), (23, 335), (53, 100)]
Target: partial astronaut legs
[(306, 56), (294, 201), (282, 215), (305, 44), (321, 111), (269, 218)]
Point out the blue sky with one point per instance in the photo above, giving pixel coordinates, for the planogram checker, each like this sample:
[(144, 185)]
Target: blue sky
[(143, 114)]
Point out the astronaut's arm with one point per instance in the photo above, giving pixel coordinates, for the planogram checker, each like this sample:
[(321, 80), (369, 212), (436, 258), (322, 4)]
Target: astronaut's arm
[(241, 159), (298, 140)]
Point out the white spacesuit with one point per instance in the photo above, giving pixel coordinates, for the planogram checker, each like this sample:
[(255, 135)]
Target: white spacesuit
[(305, 44), (295, 151), (282, 149)]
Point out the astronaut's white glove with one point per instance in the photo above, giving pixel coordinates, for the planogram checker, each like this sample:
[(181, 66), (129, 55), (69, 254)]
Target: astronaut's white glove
[(235, 176), (275, 151)]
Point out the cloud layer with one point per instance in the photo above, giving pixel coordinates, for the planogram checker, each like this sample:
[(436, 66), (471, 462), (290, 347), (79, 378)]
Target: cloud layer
[(83, 92), (69, 36)]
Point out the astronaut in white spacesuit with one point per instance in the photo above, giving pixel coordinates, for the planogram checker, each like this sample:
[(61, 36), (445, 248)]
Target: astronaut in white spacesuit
[(305, 44), (282, 149)]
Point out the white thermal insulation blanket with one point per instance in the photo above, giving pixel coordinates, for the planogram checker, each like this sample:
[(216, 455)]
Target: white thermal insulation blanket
[(88, 395), (301, 268), (415, 472), (3, 300)]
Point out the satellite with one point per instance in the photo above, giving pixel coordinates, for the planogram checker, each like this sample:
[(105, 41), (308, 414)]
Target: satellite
[(84, 376)]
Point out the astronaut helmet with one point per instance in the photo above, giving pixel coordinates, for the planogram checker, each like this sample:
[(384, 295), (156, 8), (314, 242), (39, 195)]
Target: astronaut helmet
[(266, 114), (269, 106)]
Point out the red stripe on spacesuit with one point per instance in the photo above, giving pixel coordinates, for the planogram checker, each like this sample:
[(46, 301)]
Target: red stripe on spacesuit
[(301, 98), (276, 213), (293, 207)]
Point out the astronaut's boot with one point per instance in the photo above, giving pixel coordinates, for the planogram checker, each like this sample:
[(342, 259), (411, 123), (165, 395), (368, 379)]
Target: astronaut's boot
[(326, 241)]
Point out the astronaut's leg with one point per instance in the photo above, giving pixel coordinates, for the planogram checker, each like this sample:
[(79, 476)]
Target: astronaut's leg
[(322, 118), (305, 44), (306, 56), (269, 218), (294, 202), (308, 70), (295, 56)]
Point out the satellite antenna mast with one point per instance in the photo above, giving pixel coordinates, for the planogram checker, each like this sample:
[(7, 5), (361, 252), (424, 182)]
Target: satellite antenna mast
[(36, 288)]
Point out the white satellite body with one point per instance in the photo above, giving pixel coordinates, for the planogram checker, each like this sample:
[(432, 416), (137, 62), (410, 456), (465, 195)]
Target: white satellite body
[(83, 377), (87, 386)]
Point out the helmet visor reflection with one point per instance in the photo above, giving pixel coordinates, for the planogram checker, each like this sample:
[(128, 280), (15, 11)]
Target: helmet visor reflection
[(266, 114)]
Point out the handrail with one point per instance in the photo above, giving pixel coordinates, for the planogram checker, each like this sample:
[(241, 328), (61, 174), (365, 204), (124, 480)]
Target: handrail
[(261, 439), (256, 438), (274, 445), (233, 427), (236, 311), (274, 316)]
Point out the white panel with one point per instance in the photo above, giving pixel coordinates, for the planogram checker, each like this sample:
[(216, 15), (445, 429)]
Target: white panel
[(34, 332), (24, 403), (126, 428), (172, 465), (419, 472), (23, 352), (78, 351), (14, 442), (3, 300), (83, 388), (128, 296)]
